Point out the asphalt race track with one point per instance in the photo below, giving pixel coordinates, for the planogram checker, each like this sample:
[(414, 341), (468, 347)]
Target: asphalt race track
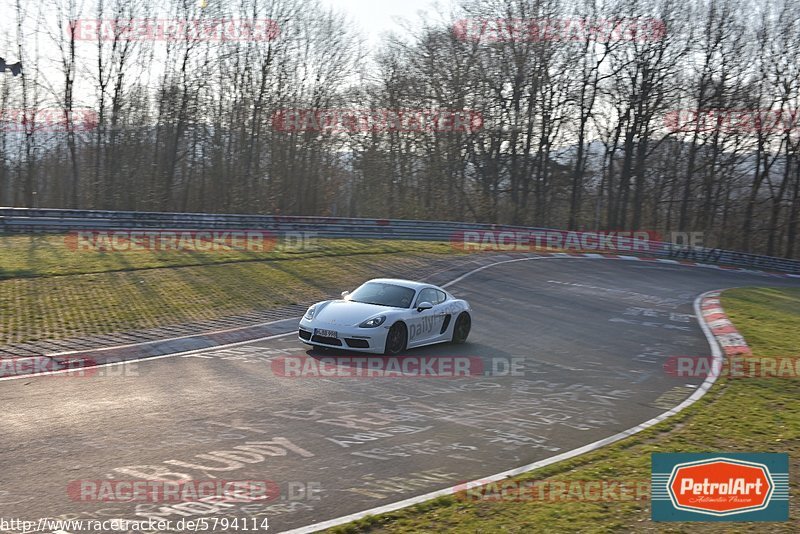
[(590, 339)]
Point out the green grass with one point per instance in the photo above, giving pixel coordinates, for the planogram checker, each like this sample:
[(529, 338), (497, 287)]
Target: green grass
[(30, 256), (48, 291), (746, 415)]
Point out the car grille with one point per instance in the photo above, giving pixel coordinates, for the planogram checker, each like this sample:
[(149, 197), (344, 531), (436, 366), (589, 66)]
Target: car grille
[(305, 334), (327, 340), (357, 343)]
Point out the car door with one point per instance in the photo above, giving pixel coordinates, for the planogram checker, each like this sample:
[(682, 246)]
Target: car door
[(424, 325)]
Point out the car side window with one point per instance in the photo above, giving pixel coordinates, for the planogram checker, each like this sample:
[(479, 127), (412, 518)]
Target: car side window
[(440, 296), (427, 295)]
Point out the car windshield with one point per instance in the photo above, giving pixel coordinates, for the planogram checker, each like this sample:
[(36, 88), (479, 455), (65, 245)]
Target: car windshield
[(383, 295)]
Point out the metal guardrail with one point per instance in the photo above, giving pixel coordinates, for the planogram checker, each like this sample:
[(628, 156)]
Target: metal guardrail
[(35, 220)]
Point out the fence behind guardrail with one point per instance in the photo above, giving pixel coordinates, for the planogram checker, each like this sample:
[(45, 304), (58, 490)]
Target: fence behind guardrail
[(36, 220)]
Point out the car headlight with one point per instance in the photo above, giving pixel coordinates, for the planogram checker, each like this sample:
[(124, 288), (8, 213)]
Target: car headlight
[(310, 312), (374, 322)]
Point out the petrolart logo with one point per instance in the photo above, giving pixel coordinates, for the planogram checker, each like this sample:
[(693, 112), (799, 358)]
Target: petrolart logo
[(720, 487)]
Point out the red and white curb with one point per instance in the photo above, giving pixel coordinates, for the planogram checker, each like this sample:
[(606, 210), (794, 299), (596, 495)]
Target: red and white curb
[(731, 341), (18, 367), (716, 327), (716, 368)]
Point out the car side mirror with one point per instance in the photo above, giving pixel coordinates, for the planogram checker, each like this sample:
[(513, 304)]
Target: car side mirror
[(422, 306), (345, 293)]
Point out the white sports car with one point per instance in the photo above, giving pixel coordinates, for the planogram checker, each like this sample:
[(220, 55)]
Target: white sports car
[(387, 316)]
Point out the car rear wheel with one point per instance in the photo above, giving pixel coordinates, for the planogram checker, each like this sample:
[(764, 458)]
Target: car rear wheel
[(396, 339), (461, 328)]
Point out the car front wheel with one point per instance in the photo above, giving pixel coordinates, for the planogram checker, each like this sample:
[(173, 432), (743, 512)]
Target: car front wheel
[(396, 339)]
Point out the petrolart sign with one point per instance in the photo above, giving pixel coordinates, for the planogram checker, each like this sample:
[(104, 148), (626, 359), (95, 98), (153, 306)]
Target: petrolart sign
[(720, 487)]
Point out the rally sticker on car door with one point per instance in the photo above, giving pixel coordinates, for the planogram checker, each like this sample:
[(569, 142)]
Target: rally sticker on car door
[(423, 326)]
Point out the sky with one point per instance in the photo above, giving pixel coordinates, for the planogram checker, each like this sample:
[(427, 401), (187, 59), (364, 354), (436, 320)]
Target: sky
[(371, 18), (375, 17)]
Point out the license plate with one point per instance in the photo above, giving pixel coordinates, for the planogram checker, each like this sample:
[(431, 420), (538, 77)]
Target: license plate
[(327, 333)]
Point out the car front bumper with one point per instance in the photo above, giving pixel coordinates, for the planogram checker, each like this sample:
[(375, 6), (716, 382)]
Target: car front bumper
[(347, 337)]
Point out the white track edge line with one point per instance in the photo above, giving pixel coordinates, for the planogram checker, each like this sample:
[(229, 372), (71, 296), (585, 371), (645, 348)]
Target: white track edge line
[(189, 336), (148, 358), (236, 344), (255, 340), (716, 352), (155, 341)]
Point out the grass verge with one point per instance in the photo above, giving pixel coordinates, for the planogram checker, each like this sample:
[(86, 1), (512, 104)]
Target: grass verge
[(739, 414), (33, 256), (52, 292)]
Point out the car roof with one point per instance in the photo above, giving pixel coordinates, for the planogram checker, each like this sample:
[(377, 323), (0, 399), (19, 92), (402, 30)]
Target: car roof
[(399, 281)]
